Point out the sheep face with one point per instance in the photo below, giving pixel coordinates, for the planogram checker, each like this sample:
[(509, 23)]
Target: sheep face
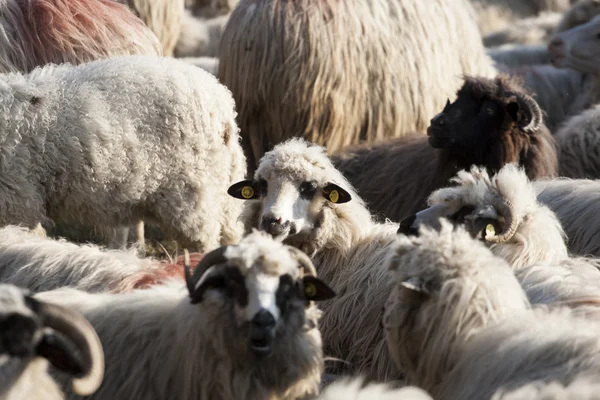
[(484, 112), (293, 193), (30, 331), (502, 211), (577, 48), (446, 287), (267, 286)]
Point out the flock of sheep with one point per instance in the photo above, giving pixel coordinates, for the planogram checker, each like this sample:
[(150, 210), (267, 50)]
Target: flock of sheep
[(385, 199)]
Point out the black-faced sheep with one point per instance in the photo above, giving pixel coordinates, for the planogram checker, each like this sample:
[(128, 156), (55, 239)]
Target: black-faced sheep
[(492, 122), (248, 328), (34, 335), (502, 210), (120, 140), (299, 197), (460, 325), (163, 17), (339, 73)]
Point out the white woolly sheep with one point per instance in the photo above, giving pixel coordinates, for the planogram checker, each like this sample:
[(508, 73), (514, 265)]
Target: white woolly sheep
[(163, 17), (509, 57), (247, 330), (461, 327), (580, 12), (299, 197), (339, 73), (34, 334), (38, 32), (503, 211), (506, 214), (200, 37), (121, 140), (40, 264), (353, 389)]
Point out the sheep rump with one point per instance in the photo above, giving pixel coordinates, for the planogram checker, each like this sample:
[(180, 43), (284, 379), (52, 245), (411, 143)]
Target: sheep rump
[(332, 90), (115, 141)]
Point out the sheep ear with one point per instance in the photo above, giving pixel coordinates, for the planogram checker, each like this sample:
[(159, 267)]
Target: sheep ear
[(336, 194), (316, 290), (244, 190), (512, 109), (60, 352), (415, 284)]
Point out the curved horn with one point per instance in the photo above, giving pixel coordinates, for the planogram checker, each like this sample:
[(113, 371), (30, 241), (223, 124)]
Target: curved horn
[(534, 110), (77, 328), (506, 209), (305, 262), (216, 256)]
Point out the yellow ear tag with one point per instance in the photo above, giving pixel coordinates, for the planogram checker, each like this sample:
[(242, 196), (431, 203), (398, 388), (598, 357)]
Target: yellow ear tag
[(490, 230), (334, 196), (247, 192), (310, 290)]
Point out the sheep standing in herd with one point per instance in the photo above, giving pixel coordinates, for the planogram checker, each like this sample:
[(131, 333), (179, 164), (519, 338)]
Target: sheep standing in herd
[(491, 123), (37, 32), (338, 73), (34, 334), (120, 140), (299, 197), (460, 325), (248, 328)]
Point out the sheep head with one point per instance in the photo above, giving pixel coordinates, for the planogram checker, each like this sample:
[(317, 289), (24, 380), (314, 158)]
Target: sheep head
[(487, 114), (502, 211), (295, 194), (578, 48), (446, 287), (30, 329), (268, 284)]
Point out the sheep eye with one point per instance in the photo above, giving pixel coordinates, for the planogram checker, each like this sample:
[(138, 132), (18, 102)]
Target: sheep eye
[(308, 189)]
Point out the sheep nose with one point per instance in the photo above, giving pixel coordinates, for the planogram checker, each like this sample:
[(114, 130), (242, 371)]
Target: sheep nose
[(439, 120), (275, 226), (263, 320), (406, 226)]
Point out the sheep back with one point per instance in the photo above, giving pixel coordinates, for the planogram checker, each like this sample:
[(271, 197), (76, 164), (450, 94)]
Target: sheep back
[(338, 73), (120, 140)]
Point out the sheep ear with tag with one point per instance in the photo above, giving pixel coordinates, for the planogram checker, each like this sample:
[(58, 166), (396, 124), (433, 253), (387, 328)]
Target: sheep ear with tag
[(245, 190), (336, 194), (316, 290)]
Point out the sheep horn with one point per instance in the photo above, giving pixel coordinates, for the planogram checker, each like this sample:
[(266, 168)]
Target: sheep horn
[(77, 328), (534, 110), (506, 209), (305, 262), (216, 256)]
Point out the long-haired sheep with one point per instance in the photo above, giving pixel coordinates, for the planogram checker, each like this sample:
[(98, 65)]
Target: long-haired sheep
[(342, 72), (503, 211), (492, 122), (40, 264), (163, 17), (460, 326), (247, 329), (299, 197), (120, 140), (353, 389), (34, 334), (37, 32), (585, 387)]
